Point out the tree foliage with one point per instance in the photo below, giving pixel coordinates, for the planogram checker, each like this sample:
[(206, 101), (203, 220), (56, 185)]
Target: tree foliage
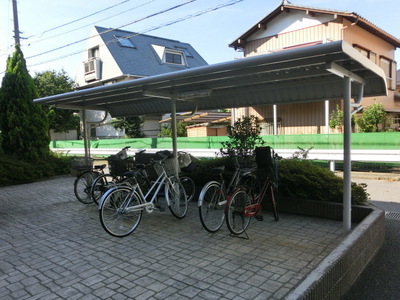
[(50, 83), (244, 136), (23, 124), (336, 119), (166, 130), (373, 116), (131, 125)]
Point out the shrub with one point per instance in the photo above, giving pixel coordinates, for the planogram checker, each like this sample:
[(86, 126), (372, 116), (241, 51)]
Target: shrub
[(297, 178), (16, 171), (244, 136), (202, 173), (304, 180)]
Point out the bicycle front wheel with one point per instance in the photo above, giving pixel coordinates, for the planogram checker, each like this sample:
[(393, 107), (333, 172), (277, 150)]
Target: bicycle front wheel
[(212, 204), (189, 186), (176, 198), (235, 218), (82, 186), (118, 214)]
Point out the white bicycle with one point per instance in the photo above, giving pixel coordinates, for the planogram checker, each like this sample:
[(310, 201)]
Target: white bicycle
[(121, 207)]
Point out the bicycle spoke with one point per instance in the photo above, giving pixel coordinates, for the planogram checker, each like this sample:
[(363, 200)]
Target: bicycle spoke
[(211, 206)]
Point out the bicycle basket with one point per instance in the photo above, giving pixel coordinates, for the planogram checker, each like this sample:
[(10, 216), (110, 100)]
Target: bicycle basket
[(117, 166), (122, 154), (80, 165), (168, 165)]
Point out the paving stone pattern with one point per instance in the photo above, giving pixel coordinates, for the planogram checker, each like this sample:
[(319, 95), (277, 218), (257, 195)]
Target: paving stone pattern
[(53, 247)]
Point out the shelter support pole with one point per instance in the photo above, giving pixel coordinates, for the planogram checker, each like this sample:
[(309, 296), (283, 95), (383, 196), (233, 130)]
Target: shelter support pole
[(275, 120), (174, 133), (326, 116), (347, 156), (86, 134)]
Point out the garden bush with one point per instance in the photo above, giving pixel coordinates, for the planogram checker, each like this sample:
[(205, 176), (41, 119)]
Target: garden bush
[(16, 171), (297, 178), (303, 180)]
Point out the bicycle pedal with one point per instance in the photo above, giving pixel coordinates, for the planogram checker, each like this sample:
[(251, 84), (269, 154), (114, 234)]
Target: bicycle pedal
[(259, 218), (161, 209)]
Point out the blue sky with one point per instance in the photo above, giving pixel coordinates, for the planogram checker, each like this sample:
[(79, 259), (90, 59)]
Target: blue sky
[(209, 33)]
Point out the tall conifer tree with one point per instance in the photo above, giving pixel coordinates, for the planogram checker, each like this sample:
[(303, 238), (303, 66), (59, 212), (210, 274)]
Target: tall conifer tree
[(23, 124)]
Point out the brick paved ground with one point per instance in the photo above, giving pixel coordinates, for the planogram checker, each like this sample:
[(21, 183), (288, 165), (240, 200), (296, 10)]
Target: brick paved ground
[(53, 247)]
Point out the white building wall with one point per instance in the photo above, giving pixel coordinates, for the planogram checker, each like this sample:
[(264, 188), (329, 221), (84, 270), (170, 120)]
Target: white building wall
[(292, 21)]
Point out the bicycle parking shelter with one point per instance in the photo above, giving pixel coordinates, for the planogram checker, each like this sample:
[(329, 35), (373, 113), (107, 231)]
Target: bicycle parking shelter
[(329, 71)]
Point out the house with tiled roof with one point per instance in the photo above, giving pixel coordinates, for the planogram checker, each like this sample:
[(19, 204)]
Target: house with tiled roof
[(115, 55), (292, 26)]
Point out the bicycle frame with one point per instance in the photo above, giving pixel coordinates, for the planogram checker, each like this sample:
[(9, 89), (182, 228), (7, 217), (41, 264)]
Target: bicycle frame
[(254, 208), (135, 188)]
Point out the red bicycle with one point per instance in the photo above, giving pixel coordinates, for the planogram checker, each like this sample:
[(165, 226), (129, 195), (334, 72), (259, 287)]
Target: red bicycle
[(246, 201)]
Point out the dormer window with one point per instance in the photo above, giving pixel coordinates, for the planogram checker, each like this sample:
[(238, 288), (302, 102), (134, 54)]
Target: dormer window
[(170, 55), (125, 42), (173, 58)]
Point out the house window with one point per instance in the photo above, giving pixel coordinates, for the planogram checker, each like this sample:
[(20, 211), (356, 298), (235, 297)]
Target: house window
[(368, 53), (388, 66), (267, 127), (93, 52), (174, 58), (125, 42)]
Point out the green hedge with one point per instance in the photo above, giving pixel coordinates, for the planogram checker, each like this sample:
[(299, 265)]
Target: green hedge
[(14, 171), (301, 179)]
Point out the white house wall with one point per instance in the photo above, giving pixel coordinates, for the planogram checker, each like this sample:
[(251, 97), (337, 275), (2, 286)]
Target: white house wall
[(287, 22), (105, 131), (109, 68)]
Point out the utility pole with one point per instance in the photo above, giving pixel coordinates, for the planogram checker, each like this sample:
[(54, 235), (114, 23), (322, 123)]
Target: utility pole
[(16, 26)]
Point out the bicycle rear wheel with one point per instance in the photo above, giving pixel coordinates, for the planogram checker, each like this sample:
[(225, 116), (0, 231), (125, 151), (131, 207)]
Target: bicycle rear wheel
[(82, 186), (101, 185), (176, 198), (212, 204), (118, 215), (189, 186), (235, 219)]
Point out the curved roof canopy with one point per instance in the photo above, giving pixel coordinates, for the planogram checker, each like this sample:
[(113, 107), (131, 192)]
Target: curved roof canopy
[(307, 74)]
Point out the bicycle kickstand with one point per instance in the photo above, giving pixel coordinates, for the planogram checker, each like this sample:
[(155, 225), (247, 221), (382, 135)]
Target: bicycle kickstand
[(240, 235)]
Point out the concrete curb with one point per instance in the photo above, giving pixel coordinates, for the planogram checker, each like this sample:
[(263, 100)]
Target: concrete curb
[(338, 271)]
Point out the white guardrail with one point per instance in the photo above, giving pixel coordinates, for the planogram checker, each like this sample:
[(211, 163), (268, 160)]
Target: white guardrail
[(331, 155)]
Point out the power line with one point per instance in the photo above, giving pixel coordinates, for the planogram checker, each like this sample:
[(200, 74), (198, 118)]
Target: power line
[(71, 22), (79, 19), (136, 21), (229, 3), (96, 22)]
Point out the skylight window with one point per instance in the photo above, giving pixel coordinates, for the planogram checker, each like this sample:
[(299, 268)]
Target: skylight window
[(125, 42)]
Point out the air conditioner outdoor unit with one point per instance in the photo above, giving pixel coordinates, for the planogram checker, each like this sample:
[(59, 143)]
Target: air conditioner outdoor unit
[(92, 69)]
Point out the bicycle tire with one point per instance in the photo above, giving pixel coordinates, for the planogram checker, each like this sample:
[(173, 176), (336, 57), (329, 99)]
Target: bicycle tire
[(236, 221), (114, 217), (176, 198), (189, 186), (211, 205), (82, 186), (101, 185)]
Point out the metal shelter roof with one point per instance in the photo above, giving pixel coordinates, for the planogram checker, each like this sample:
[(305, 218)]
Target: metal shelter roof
[(293, 76), (322, 72), (201, 117)]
